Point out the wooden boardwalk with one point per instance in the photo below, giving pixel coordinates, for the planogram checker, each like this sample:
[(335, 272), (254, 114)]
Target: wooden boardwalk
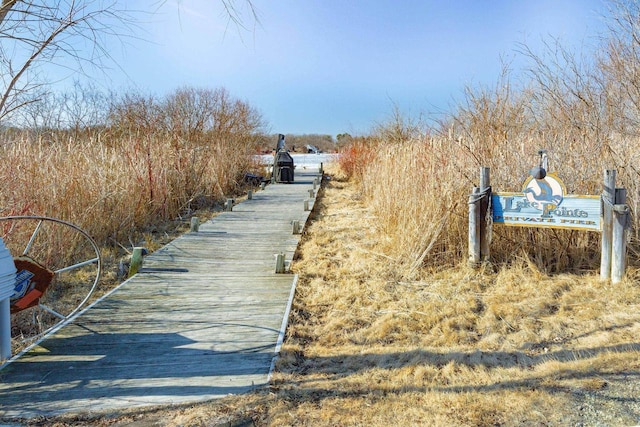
[(204, 318)]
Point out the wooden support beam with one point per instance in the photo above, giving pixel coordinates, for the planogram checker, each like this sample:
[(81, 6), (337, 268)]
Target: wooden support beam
[(296, 227)]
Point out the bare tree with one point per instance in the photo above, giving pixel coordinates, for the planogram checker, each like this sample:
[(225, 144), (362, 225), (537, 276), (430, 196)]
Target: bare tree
[(69, 33)]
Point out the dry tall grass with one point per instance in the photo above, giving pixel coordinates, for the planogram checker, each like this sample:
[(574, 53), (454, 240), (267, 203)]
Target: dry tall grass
[(582, 110), (153, 162)]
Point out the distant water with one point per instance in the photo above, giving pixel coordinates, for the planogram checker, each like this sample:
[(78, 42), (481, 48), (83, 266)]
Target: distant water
[(309, 160)]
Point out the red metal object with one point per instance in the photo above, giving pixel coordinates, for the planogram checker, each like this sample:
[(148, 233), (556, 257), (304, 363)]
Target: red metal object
[(39, 280)]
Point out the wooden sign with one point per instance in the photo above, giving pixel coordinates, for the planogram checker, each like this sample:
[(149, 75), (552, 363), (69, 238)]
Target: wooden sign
[(543, 203)]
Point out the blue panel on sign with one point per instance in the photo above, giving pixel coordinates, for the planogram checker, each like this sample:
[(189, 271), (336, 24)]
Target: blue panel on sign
[(523, 210)]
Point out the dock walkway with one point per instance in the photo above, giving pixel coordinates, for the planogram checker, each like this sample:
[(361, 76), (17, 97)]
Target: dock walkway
[(203, 319)]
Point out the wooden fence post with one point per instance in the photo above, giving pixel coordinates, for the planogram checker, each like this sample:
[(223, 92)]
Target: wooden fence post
[(280, 263), (485, 189), (306, 205), (474, 229), (608, 199), (229, 205), (250, 195), (296, 227), (619, 236), (263, 185), (195, 224), (312, 194)]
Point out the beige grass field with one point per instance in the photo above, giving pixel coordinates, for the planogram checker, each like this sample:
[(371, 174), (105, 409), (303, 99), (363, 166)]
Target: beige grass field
[(453, 347)]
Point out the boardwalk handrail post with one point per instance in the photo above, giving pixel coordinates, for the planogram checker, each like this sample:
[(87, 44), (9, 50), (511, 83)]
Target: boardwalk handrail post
[(279, 263), (250, 195), (229, 205), (136, 260), (195, 224), (608, 196), (619, 236)]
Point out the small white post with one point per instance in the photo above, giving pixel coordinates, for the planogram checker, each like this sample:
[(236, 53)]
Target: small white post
[(296, 227), (312, 193), (306, 205), (263, 185), (7, 286), (250, 195), (229, 205)]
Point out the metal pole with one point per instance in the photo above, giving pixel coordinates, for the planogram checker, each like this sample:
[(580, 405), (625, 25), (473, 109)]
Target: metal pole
[(5, 329)]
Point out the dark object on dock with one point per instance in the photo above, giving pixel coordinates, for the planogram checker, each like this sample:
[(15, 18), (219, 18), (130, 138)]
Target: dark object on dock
[(253, 179), (283, 163)]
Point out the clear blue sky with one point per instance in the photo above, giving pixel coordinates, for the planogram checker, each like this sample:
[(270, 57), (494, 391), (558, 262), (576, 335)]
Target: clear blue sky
[(333, 66)]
